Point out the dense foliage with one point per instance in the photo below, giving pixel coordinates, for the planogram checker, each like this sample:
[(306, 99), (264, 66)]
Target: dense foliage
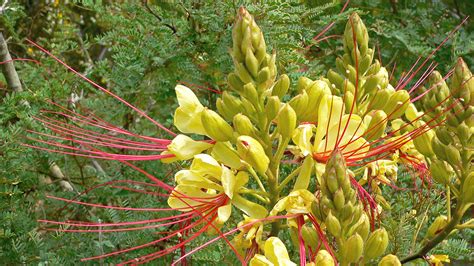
[(140, 51)]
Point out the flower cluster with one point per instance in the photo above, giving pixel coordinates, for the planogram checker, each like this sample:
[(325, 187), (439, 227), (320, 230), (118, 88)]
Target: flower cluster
[(296, 156)]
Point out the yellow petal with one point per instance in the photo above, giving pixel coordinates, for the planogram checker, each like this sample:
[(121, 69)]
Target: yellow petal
[(252, 209), (207, 166), (241, 179), (223, 213), (183, 197), (191, 178), (228, 181), (185, 147), (226, 154), (329, 113), (260, 260), (187, 117), (348, 129), (302, 138), (276, 252)]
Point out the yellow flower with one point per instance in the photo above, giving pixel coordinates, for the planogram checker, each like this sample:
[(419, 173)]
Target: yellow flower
[(184, 147), (298, 201), (437, 260), (275, 254), (187, 117)]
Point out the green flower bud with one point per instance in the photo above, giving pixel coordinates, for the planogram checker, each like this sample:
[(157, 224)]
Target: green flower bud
[(452, 155), (349, 101), (464, 133), (380, 99), (323, 258), (376, 244), (234, 82), (366, 60), (462, 83), (439, 148), (390, 260), (286, 121), (272, 107), (251, 151), (437, 226), (335, 78), (299, 103), (339, 199), (374, 68), (303, 84), (264, 76), (216, 127), (355, 27), (468, 189), (377, 125), (250, 93), (243, 125), (222, 110), (444, 135), (333, 225), (353, 248), (281, 86), (363, 228), (423, 142), (439, 171), (397, 104), (251, 63)]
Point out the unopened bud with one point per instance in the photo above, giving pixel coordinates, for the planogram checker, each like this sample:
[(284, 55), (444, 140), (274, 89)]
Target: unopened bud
[(242, 73), (251, 63), (323, 258), (272, 107), (376, 244), (452, 155), (303, 84), (235, 82), (468, 189), (286, 121), (439, 171), (333, 225), (216, 127), (397, 104), (353, 248), (380, 99), (439, 148), (423, 142), (390, 260), (251, 151), (335, 78), (377, 125), (281, 86), (299, 103), (250, 92), (243, 125), (437, 226), (356, 28)]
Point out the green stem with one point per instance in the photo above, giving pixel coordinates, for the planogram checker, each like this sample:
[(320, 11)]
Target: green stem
[(288, 178), (456, 218), (448, 201), (255, 176)]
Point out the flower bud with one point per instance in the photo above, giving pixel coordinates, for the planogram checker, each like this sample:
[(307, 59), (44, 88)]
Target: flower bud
[(363, 228), (439, 171), (390, 260), (444, 135), (216, 127), (356, 28), (234, 82), (353, 248), (377, 125), (286, 121), (423, 142), (299, 103), (303, 83), (438, 148), (437, 226), (380, 99), (272, 107), (333, 225), (376, 244), (184, 148), (281, 86), (366, 60), (323, 258), (339, 199), (242, 73), (452, 155), (464, 133), (243, 125), (264, 76), (397, 104), (250, 93), (251, 63), (335, 78), (468, 189), (251, 151)]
